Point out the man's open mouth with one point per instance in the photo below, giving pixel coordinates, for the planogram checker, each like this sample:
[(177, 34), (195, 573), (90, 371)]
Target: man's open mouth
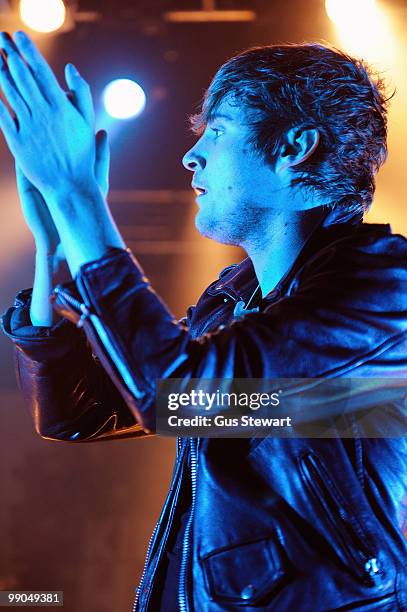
[(198, 190)]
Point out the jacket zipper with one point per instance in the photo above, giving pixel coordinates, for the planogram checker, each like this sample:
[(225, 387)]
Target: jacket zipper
[(344, 525), (79, 306), (101, 337), (146, 562), (194, 446), (152, 538), (185, 560)]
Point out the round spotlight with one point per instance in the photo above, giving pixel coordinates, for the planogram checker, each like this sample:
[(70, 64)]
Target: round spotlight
[(43, 15), (124, 99), (346, 11)]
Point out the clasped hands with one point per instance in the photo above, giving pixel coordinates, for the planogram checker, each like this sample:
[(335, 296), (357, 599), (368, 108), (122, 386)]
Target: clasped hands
[(62, 170)]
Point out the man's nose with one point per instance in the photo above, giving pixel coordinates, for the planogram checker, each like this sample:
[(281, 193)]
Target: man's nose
[(193, 160)]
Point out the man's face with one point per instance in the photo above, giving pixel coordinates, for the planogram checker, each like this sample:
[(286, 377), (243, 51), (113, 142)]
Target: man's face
[(234, 185)]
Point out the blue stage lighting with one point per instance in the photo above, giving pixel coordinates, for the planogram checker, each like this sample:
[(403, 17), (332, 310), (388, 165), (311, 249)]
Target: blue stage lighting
[(124, 99)]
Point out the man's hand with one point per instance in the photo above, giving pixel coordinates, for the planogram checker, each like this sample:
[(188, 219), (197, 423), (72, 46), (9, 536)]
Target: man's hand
[(35, 210), (37, 215), (50, 137), (53, 143), (50, 265)]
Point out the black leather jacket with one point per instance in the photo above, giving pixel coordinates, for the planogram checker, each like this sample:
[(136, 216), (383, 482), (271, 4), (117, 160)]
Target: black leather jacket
[(301, 524)]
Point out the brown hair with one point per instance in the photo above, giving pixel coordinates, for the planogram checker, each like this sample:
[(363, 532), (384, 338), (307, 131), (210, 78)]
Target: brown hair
[(310, 85)]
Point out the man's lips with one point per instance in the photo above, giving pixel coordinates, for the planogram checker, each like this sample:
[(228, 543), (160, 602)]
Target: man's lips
[(199, 191)]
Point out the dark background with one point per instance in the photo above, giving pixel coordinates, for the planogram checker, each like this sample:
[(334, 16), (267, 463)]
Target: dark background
[(78, 517)]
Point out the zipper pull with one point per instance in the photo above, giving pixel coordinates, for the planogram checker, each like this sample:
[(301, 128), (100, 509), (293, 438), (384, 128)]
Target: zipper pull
[(84, 316), (241, 311), (372, 567), (70, 303)]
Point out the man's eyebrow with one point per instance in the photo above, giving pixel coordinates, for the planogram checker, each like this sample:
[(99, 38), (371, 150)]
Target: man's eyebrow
[(216, 116)]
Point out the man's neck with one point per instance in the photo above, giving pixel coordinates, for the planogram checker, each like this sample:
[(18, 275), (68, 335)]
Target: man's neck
[(274, 251)]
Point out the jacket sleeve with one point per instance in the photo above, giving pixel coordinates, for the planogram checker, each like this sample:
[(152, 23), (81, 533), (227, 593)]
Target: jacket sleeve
[(69, 395), (345, 310)]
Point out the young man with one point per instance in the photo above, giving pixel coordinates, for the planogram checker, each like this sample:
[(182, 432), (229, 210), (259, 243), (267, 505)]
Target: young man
[(290, 139)]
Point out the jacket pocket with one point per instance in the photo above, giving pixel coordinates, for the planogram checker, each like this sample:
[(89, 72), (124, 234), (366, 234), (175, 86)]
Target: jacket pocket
[(246, 573), (346, 531)]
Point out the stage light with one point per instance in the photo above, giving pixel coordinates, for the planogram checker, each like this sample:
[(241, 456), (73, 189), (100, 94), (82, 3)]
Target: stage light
[(364, 29), (43, 15), (124, 99), (343, 12)]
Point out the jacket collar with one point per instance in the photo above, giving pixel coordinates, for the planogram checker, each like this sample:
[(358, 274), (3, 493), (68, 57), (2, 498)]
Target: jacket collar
[(239, 281)]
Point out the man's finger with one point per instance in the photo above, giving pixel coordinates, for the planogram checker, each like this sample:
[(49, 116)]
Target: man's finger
[(20, 72), (11, 93), (22, 180), (102, 161), (20, 176), (82, 94), (43, 75), (7, 123), (23, 184)]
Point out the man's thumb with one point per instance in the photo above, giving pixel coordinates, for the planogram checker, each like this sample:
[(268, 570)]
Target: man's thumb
[(81, 94), (102, 161)]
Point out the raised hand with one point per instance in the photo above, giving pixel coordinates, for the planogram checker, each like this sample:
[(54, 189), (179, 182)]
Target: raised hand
[(52, 141), (34, 207), (37, 215)]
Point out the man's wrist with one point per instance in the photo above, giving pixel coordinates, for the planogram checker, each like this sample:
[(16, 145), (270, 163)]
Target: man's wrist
[(45, 252), (63, 189), (84, 224)]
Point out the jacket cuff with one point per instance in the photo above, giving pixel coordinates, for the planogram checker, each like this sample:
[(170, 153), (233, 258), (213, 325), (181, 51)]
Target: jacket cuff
[(103, 279), (37, 341), (127, 322)]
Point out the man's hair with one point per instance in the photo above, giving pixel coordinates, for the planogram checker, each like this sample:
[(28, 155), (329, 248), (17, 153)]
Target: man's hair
[(310, 86)]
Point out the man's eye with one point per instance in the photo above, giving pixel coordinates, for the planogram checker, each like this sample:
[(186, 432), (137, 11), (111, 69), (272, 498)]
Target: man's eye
[(217, 131)]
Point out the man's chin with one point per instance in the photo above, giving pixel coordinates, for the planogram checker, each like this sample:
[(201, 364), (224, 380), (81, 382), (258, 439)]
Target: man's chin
[(213, 232)]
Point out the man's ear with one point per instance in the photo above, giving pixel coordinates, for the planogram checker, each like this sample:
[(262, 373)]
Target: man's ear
[(298, 144)]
